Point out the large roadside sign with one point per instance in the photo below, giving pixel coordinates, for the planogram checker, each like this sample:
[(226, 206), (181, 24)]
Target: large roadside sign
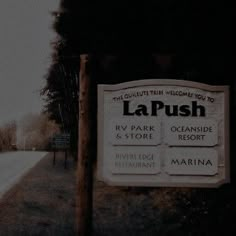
[(163, 133)]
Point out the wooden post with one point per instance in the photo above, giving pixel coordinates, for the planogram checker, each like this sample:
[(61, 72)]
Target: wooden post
[(54, 157), (84, 171), (65, 163)]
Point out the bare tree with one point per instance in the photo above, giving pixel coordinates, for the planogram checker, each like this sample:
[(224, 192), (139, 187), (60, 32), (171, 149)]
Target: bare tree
[(35, 131), (8, 136)]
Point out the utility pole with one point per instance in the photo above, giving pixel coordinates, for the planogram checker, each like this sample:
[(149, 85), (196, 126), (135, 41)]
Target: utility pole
[(84, 170)]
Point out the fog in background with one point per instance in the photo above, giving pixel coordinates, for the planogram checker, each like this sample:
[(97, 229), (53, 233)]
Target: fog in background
[(26, 33)]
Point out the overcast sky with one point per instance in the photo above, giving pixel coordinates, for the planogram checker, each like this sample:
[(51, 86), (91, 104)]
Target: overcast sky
[(25, 36)]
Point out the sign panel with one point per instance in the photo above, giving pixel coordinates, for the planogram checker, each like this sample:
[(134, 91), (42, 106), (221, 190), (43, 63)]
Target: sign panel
[(191, 132), (141, 160), (61, 141), (131, 132), (163, 133), (191, 161)]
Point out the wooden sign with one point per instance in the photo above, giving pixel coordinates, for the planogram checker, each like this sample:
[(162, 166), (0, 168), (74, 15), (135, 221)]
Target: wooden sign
[(163, 133)]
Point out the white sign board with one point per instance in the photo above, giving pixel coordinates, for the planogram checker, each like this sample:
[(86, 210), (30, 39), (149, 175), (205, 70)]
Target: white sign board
[(163, 133)]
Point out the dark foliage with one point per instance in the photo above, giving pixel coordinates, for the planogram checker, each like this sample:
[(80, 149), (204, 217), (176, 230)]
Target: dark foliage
[(61, 91)]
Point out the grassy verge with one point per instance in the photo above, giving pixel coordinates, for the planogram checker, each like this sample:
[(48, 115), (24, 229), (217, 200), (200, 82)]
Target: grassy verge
[(43, 203)]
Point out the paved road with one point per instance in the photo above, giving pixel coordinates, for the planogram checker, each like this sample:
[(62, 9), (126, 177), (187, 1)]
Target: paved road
[(13, 165)]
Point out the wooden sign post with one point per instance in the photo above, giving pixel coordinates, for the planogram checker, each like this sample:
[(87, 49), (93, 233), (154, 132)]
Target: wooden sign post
[(84, 170), (60, 142)]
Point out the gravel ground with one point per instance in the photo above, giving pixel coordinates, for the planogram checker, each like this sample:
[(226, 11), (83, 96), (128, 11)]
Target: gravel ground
[(43, 203), (136, 211)]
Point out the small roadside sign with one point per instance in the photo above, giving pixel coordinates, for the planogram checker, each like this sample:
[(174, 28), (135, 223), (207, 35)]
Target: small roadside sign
[(61, 141)]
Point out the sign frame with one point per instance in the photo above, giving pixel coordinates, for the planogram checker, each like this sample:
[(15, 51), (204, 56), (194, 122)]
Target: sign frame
[(162, 82)]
